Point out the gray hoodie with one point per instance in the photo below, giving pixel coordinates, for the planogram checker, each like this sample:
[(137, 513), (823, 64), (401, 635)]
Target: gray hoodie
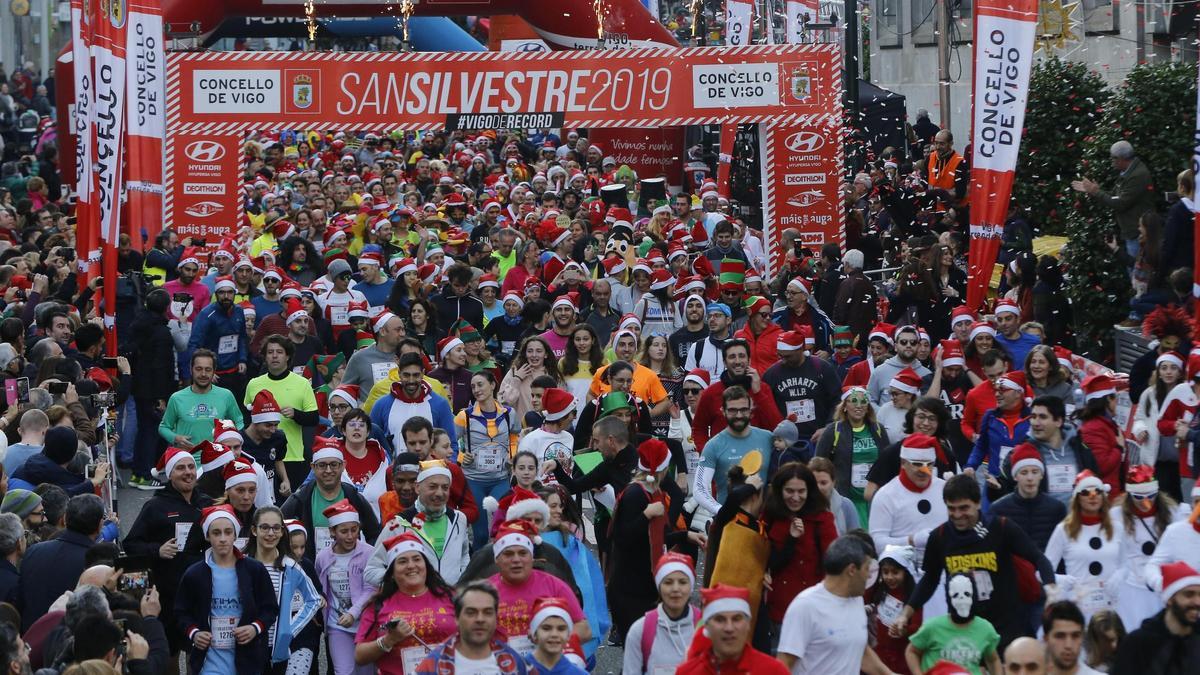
[(877, 388), (672, 638)]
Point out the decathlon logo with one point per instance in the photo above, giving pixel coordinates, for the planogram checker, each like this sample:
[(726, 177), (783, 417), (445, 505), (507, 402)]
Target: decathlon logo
[(204, 151), (203, 209), (804, 141)]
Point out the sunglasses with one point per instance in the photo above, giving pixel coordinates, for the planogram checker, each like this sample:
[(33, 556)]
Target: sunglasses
[(1091, 492), (692, 392), (907, 343), (857, 400)]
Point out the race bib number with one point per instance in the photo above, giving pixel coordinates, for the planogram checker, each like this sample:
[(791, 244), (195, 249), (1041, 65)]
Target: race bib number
[(324, 539), (1061, 477), (1092, 597), (339, 583), (693, 460), (889, 610), (228, 344), (222, 631), (804, 410), (339, 316), (411, 657), (858, 475), (522, 645), (182, 530), (490, 461), (380, 371), (983, 584)]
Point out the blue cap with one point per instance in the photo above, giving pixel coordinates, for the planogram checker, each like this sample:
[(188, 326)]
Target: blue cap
[(719, 307)]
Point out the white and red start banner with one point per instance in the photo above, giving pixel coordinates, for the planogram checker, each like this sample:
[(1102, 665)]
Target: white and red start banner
[(216, 98), (1004, 32)]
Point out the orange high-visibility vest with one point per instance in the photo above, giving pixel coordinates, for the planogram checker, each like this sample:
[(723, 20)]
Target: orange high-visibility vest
[(944, 177)]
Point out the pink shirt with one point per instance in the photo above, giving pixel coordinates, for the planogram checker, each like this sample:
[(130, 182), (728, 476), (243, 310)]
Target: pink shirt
[(516, 602), (558, 343), (200, 298), (431, 617)]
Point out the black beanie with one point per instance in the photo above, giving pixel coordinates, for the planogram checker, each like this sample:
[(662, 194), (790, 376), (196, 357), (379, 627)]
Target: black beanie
[(61, 444)]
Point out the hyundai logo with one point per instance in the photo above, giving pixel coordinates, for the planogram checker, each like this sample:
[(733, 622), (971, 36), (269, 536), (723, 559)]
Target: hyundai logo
[(804, 141), (531, 47), (204, 151)]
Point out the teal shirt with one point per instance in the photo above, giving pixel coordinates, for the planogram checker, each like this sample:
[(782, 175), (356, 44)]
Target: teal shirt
[(191, 414), (724, 450)]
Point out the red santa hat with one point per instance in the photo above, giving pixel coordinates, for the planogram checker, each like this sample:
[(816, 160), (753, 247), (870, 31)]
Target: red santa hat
[(952, 354), (919, 448), (265, 408), (557, 404), (1064, 357), (225, 430), (1177, 576), (1169, 357), (515, 298), (567, 300), (882, 331), (210, 515), (674, 562), (327, 448), (653, 456), (724, 598), (489, 281), (224, 283), (629, 321), (447, 345), (294, 311), (358, 309), (238, 472), (1026, 455), (613, 266), (515, 533), (168, 460), (405, 542), (273, 272), (381, 320), (525, 502), (1086, 480), (960, 314), (1006, 307), (403, 265), (699, 377), (799, 284), (1140, 482), (848, 390), (213, 455), (348, 393), (294, 525), (548, 607), (190, 256), (981, 328), (243, 261), (907, 381), (1098, 386), (340, 513), (248, 308), (791, 341), (433, 467)]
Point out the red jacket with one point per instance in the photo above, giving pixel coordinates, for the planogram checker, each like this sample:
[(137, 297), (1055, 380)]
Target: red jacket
[(763, 348), (980, 399), (1101, 434), (700, 661), (800, 559), (460, 497), (1180, 404), (709, 419)]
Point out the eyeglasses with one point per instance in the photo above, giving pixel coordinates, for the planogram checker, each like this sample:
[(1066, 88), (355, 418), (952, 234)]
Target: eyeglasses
[(925, 417), (737, 412), (328, 466), (269, 528), (39, 514), (858, 400), (341, 407)]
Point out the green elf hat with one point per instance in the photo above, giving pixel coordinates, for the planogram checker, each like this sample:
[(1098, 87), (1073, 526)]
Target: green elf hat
[(733, 273), (466, 332), (329, 362), (362, 339), (842, 337), (332, 254), (612, 402)]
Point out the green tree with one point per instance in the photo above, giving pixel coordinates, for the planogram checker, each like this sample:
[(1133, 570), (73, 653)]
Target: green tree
[(1066, 103), (1155, 110)]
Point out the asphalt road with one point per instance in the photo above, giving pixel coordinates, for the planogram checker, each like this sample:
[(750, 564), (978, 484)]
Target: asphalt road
[(130, 502)]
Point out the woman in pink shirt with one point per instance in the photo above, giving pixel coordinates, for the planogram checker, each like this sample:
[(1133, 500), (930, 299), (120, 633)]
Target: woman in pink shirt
[(412, 612)]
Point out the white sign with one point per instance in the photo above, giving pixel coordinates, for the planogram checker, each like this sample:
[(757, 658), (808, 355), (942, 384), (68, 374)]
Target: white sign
[(236, 91), (735, 85), (1001, 86)]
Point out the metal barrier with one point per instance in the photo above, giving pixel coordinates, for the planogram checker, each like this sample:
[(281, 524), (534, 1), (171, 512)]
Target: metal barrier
[(1129, 344)]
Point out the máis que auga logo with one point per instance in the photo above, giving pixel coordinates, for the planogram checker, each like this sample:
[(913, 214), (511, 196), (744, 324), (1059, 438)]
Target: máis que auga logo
[(204, 209)]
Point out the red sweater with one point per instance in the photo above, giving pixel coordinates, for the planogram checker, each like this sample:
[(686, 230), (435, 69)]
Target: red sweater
[(803, 566), (764, 350), (709, 419), (980, 399), (1101, 434), (859, 374), (700, 661)]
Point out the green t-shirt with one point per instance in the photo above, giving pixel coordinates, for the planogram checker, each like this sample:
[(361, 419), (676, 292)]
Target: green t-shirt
[(191, 414), (968, 646), (434, 532), (865, 452), (506, 262), (292, 391), (319, 504)]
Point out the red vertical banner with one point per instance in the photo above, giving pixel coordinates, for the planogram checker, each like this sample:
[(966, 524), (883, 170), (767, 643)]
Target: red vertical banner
[(1004, 31), (108, 65), (145, 119), (725, 160), (801, 180), (83, 100), (1196, 223), (205, 196), (649, 152)]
